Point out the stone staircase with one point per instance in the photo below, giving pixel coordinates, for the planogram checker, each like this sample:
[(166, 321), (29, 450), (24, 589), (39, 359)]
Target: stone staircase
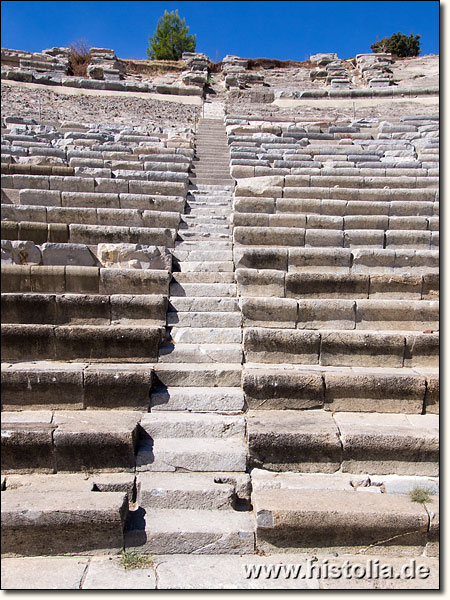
[(193, 443), (260, 378)]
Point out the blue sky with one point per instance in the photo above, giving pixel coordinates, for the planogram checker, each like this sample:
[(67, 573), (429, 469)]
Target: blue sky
[(283, 30)]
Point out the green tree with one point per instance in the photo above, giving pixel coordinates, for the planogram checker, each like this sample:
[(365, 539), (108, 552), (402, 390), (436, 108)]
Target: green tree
[(398, 44), (171, 38)]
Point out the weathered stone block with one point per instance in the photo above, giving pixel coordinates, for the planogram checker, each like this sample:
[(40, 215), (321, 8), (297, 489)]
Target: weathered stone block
[(324, 285), (127, 281), (254, 282), (273, 389), (269, 312), (366, 391), (281, 346), (358, 349), (326, 314), (291, 441)]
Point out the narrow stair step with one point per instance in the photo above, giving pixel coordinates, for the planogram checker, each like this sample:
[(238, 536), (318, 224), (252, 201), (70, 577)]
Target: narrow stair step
[(180, 531), (198, 399), (201, 353)]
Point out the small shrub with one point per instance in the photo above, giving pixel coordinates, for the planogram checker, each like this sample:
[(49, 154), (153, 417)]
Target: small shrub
[(79, 58), (398, 44), (420, 494), (135, 560)]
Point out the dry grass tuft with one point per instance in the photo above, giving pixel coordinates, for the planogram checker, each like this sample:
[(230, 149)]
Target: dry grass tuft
[(79, 58)]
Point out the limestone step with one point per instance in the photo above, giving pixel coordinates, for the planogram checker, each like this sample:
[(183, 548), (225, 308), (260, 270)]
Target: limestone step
[(203, 209), (87, 280), (208, 187), (202, 228), (210, 193), (219, 277), (366, 194), (372, 314), (211, 219), (337, 260), (337, 348), (193, 532), (225, 266), (75, 233), (357, 389), (47, 442), (209, 173), (198, 375), (74, 192), (91, 216), (81, 342), (204, 319), (350, 482), (210, 180), (320, 285), (204, 491), (201, 353), (162, 425), (306, 519), (268, 237), (83, 309), (205, 335), (200, 252), (337, 222), (186, 235), (204, 304), (342, 208), (316, 441), (198, 399), (203, 246), (65, 521), (224, 290), (75, 386), (191, 454)]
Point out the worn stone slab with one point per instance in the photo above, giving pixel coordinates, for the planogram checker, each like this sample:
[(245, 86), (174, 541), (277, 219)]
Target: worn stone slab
[(326, 314), (422, 349), (226, 572), (61, 523), (269, 312), (259, 283), (220, 399), (380, 443), (198, 375), (326, 285), (43, 573), (288, 389), (194, 532), (99, 440), (188, 425), (117, 387), (191, 454), (369, 390), (281, 346), (308, 519), (199, 491), (289, 440), (360, 349), (39, 386), (416, 315), (108, 574), (200, 353)]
